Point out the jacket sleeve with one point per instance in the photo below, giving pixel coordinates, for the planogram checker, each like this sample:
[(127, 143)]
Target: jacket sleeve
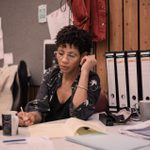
[(40, 104), (86, 109)]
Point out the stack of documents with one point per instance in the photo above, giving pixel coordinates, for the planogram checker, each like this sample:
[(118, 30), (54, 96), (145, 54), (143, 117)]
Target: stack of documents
[(141, 130)]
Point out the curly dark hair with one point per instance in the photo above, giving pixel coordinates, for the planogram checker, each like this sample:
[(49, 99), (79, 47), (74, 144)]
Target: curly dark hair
[(79, 38)]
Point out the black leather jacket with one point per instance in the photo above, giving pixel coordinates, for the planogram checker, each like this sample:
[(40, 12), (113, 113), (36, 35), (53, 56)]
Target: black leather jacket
[(51, 81)]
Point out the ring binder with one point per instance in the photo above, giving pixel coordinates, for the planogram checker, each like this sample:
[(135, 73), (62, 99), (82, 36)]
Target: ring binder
[(112, 81), (122, 79), (133, 78), (145, 73), (128, 78)]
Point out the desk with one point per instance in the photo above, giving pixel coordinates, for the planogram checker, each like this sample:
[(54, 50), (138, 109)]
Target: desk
[(62, 144)]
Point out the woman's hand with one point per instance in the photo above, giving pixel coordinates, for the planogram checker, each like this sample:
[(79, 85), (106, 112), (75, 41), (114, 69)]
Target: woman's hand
[(28, 118), (88, 62)]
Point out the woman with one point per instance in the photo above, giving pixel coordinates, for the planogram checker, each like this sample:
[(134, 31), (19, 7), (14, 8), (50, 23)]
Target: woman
[(71, 89)]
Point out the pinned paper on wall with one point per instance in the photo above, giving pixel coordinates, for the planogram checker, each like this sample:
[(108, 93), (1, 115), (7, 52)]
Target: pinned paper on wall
[(8, 59), (42, 13), (58, 19), (1, 41)]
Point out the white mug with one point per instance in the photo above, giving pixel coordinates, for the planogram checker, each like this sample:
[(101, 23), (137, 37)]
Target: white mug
[(10, 122), (144, 107)]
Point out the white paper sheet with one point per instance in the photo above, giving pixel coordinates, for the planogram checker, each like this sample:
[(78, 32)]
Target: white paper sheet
[(141, 130), (58, 19), (1, 41), (8, 59), (34, 143)]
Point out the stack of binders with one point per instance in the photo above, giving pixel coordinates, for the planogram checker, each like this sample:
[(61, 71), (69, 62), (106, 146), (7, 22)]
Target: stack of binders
[(128, 76)]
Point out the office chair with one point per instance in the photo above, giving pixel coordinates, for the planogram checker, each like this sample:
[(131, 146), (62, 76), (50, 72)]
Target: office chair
[(102, 103), (20, 87)]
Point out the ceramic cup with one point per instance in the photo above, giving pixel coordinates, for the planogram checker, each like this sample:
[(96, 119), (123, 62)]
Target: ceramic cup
[(144, 107), (10, 123)]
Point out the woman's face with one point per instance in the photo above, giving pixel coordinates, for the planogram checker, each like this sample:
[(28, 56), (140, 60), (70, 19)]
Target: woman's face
[(68, 58)]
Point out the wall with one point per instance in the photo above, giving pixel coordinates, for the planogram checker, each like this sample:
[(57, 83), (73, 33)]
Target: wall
[(23, 35)]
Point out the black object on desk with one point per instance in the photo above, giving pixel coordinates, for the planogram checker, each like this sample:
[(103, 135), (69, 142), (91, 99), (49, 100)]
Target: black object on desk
[(107, 120)]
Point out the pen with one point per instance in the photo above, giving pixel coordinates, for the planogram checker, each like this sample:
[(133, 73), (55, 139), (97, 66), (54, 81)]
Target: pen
[(21, 109), (24, 117), (13, 140)]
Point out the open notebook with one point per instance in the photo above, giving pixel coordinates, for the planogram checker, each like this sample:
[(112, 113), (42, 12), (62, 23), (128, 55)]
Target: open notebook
[(70, 127)]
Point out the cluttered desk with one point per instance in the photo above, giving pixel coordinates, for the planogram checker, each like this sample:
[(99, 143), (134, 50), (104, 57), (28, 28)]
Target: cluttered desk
[(73, 133)]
